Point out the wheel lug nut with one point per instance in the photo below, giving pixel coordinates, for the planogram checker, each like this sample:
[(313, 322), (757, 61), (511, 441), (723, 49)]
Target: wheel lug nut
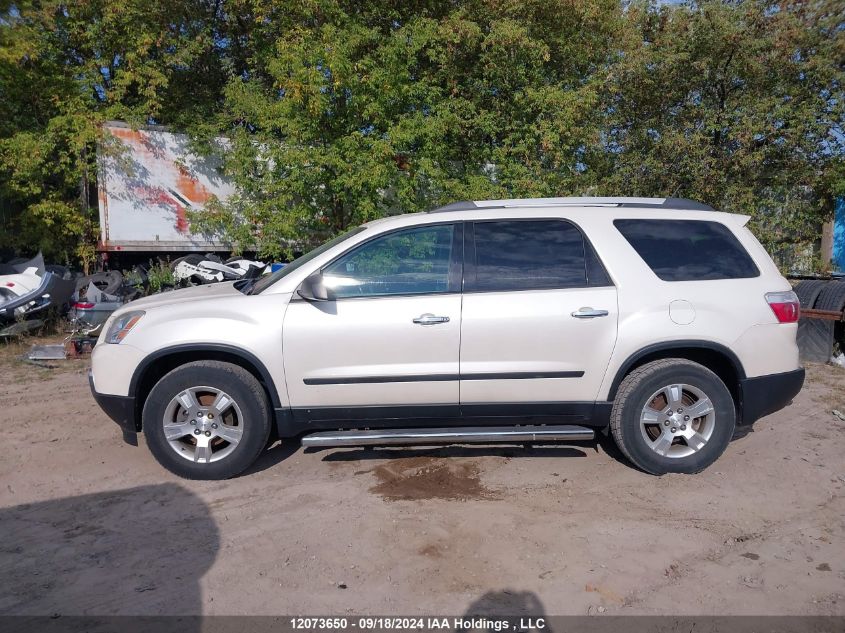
[(193, 421), (666, 423), (686, 418), (683, 427), (674, 429), (210, 416), (680, 410), (208, 433), (214, 426), (197, 431)]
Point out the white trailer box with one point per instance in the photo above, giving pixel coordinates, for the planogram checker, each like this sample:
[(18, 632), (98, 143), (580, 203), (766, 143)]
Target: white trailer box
[(148, 181)]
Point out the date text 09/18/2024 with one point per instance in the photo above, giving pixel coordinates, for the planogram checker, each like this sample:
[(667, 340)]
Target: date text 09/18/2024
[(417, 623)]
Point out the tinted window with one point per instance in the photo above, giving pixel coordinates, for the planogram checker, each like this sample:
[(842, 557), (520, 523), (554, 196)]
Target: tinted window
[(688, 250), (596, 274), (528, 255), (412, 261)]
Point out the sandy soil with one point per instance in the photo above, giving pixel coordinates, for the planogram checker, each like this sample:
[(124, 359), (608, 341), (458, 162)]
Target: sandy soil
[(91, 525)]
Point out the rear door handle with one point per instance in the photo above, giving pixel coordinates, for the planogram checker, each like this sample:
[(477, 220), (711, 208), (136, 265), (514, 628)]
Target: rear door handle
[(430, 319), (589, 313)]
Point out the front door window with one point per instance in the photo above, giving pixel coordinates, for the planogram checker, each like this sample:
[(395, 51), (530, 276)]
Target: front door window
[(408, 262)]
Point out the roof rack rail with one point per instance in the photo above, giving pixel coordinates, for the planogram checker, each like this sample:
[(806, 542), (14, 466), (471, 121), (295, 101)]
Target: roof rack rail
[(684, 204)]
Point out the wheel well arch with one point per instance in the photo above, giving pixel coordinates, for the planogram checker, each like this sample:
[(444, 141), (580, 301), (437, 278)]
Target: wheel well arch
[(717, 358), (159, 363)]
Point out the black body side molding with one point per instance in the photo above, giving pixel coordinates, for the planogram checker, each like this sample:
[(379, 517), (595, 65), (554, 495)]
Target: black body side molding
[(296, 421), (670, 345), (207, 347), (230, 350), (519, 375)]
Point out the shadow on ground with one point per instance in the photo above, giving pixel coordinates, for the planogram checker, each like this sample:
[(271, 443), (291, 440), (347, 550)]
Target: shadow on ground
[(362, 454), (522, 609), (602, 442), (137, 551), (274, 455)]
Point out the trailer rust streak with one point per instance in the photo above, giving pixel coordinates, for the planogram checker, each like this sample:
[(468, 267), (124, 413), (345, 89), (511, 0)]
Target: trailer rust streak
[(192, 188), (150, 185)]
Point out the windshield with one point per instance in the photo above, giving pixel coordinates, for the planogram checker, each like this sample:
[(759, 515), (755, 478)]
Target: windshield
[(268, 280)]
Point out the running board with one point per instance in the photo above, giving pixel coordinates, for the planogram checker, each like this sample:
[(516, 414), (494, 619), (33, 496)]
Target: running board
[(451, 435)]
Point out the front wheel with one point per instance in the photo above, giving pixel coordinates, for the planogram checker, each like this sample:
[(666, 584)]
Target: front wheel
[(672, 416), (207, 420)]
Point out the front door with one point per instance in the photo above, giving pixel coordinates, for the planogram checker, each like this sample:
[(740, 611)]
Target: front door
[(386, 344), (538, 322)]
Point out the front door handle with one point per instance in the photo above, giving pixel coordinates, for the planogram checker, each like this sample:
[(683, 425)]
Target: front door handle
[(430, 319), (589, 313)]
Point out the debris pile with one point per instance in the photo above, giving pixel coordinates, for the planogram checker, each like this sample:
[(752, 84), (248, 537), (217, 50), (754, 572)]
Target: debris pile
[(31, 291), (28, 290)]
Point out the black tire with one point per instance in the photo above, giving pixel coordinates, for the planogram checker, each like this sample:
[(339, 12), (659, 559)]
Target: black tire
[(632, 397), (235, 381), (808, 291), (194, 260), (832, 297)]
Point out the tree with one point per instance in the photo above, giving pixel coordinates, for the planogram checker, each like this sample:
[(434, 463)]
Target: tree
[(354, 110), (739, 104), (341, 111), (64, 69)]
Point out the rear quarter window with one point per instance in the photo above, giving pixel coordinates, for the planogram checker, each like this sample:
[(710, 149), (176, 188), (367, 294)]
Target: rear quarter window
[(688, 250)]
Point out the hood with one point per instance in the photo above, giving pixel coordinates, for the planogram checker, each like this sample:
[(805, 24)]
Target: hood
[(196, 293)]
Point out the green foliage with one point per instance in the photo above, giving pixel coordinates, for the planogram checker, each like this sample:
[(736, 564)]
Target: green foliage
[(338, 112), (736, 104), (64, 69), (160, 275), (354, 112)]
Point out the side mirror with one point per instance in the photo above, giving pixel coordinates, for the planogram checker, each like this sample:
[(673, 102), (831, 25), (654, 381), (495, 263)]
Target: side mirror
[(312, 288)]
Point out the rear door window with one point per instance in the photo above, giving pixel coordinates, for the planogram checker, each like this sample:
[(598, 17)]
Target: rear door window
[(688, 250), (531, 255)]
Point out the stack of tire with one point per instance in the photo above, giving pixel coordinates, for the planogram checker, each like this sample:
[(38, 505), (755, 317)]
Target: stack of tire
[(816, 336)]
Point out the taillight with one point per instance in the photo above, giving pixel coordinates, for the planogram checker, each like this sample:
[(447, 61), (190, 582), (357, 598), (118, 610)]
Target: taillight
[(83, 306), (785, 305)]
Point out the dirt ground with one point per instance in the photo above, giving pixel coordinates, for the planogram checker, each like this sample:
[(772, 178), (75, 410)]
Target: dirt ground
[(93, 526)]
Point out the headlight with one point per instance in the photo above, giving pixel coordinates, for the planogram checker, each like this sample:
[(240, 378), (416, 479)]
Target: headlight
[(122, 325)]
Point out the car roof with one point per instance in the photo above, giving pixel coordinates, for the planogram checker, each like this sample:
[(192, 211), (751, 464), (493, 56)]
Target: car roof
[(630, 207), (680, 204)]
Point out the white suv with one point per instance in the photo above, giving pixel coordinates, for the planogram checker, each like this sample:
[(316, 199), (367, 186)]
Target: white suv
[(523, 321)]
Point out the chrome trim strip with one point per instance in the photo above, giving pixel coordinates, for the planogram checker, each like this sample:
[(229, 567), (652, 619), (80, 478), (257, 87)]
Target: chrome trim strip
[(454, 435)]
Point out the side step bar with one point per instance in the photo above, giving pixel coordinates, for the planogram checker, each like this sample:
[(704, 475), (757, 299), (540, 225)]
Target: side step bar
[(451, 435)]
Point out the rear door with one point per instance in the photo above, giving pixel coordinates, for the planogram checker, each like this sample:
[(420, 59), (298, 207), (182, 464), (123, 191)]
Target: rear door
[(387, 344), (538, 321)]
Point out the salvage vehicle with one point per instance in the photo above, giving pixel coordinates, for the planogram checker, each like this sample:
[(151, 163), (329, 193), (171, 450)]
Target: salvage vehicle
[(28, 289), (210, 269), (660, 321)]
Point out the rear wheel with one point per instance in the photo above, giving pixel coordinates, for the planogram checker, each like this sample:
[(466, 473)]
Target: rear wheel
[(207, 420), (672, 416)]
